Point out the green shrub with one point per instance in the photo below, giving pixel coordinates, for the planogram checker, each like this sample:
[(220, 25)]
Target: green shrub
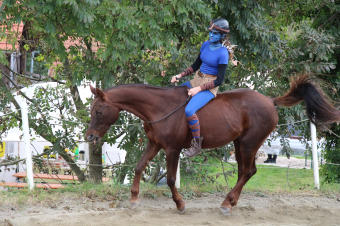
[(331, 170)]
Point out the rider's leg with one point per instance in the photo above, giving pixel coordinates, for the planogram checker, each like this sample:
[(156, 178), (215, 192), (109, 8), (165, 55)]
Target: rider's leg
[(187, 84), (196, 103), (194, 126)]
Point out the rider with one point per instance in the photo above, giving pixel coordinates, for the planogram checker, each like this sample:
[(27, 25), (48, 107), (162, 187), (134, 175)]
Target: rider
[(212, 63)]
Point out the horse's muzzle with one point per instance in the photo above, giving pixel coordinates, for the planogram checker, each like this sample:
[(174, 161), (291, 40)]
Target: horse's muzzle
[(92, 138)]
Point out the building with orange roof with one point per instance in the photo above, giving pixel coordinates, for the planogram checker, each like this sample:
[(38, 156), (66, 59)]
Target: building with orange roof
[(27, 64)]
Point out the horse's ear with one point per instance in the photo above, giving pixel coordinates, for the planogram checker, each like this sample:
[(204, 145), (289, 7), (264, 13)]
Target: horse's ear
[(93, 90), (97, 92)]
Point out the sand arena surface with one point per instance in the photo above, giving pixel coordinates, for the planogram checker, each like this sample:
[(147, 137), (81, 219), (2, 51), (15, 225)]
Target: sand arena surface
[(252, 209)]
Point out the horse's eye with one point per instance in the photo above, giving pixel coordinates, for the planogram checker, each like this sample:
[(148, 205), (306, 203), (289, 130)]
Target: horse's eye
[(98, 113)]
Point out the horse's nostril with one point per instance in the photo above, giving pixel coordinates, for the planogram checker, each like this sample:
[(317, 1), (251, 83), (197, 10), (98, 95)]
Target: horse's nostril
[(90, 137)]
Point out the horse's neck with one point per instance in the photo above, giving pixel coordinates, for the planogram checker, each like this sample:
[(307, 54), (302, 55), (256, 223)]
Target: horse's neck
[(147, 103)]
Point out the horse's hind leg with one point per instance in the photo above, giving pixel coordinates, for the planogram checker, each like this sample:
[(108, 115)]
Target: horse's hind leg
[(149, 153), (245, 152), (172, 157)]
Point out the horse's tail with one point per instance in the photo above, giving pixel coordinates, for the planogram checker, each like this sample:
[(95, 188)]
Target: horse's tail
[(319, 109)]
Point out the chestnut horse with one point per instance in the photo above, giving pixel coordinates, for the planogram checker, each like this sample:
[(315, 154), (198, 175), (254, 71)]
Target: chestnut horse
[(243, 116)]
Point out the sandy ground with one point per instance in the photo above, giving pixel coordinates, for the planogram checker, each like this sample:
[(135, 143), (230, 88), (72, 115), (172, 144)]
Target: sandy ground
[(252, 209)]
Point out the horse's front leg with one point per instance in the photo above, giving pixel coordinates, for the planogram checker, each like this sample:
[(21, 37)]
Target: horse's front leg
[(172, 157), (245, 155), (151, 150)]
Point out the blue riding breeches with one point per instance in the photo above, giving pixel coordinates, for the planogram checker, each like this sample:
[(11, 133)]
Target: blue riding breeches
[(198, 101)]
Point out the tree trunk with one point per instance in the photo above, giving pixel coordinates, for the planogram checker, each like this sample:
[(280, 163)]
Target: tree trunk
[(95, 160), (155, 174), (25, 39), (74, 167), (4, 80), (122, 174)]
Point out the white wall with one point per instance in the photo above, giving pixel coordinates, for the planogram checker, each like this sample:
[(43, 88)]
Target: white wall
[(14, 150)]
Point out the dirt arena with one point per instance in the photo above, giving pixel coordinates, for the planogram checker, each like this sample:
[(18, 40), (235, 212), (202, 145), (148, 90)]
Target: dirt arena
[(253, 209)]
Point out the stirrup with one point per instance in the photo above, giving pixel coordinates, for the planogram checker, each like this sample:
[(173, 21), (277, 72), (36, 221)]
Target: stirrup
[(195, 149)]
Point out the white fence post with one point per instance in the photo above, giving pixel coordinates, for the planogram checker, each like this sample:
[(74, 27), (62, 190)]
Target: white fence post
[(178, 175), (27, 148), (315, 156)]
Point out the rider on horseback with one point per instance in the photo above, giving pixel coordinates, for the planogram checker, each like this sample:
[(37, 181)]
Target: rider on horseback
[(212, 63)]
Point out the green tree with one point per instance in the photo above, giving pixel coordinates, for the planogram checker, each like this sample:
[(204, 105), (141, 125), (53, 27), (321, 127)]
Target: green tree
[(107, 42), (310, 36), (118, 42)]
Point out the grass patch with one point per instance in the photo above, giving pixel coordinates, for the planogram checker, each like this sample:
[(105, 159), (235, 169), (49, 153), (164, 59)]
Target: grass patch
[(209, 178), (309, 157), (202, 178), (99, 192), (277, 179)]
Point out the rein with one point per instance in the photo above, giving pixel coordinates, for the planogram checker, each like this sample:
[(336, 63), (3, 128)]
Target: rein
[(171, 113)]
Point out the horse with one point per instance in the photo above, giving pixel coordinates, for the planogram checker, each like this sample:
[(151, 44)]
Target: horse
[(242, 115)]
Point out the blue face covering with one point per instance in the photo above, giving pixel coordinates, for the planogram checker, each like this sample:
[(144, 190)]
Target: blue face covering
[(214, 39), (214, 36)]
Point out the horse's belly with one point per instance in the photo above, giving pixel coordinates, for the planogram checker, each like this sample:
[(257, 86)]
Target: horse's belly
[(219, 128), (216, 137)]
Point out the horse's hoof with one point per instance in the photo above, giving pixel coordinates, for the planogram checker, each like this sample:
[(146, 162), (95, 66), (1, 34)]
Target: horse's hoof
[(134, 204), (181, 210), (225, 211)]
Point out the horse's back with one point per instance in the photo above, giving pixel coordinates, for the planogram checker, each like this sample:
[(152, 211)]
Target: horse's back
[(233, 112), (249, 103), (244, 97)]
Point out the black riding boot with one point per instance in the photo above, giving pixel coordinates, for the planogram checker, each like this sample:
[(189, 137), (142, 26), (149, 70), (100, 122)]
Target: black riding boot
[(269, 159), (274, 159)]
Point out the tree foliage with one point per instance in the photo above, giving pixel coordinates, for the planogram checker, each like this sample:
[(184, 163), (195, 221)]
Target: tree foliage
[(145, 41), (310, 31), (109, 42)]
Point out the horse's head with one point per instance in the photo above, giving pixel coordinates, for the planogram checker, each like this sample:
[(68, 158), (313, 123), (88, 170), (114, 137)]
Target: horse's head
[(103, 115)]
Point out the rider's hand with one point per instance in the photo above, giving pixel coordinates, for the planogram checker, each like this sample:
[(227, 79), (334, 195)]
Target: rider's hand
[(194, 91), (235, 62), (175, 78)]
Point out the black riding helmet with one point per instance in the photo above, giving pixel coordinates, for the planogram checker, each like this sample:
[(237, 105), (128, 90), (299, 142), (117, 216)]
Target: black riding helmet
[(220, 24)]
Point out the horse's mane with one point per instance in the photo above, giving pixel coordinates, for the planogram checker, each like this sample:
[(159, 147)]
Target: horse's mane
[(159, 88), (143, 86)]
